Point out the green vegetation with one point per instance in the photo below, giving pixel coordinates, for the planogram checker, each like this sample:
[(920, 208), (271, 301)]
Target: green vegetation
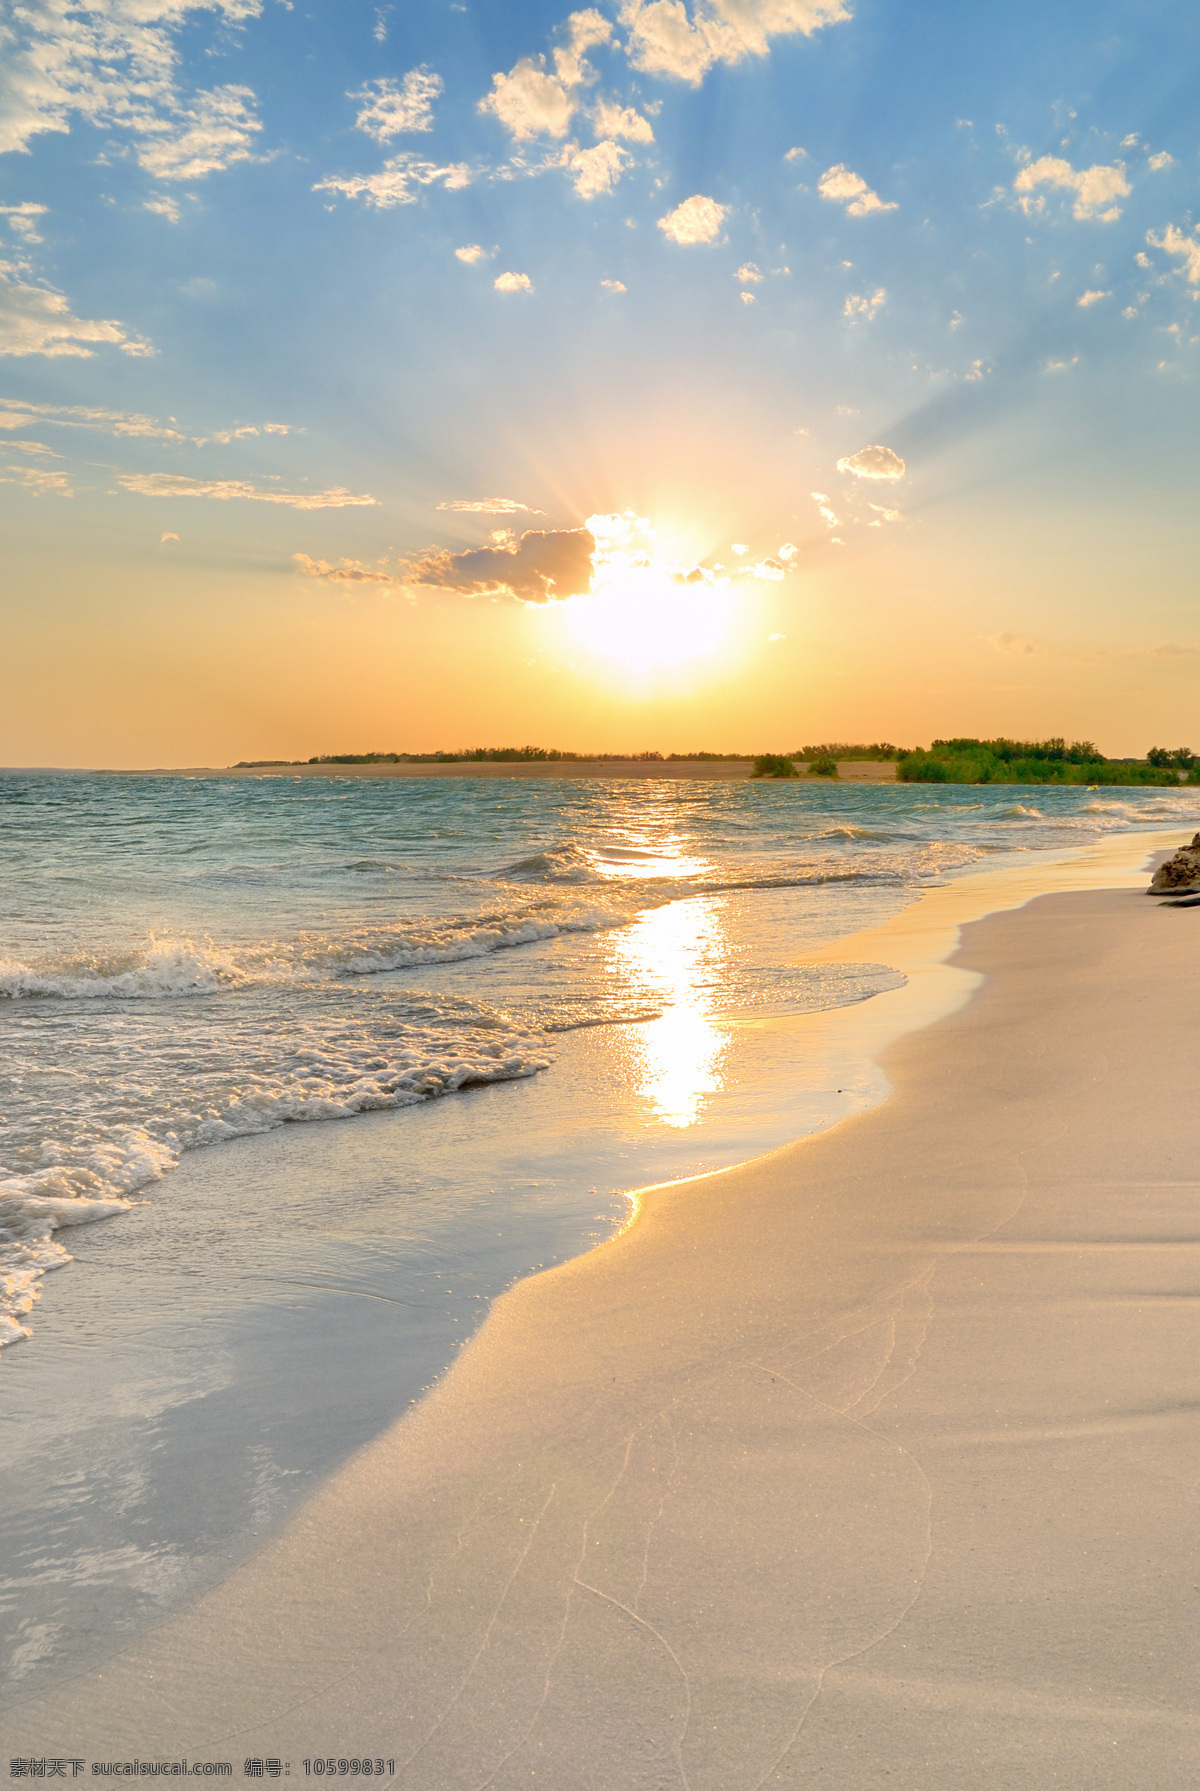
[(1054, 761), (839, 749), (1182, 757), (773, 764), (822, 764)]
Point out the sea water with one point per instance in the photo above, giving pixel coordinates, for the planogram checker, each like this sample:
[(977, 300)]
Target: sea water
[(520, 1000)]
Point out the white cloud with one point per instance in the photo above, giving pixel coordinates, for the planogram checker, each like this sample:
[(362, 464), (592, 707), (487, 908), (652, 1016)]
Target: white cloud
[(1091, 298), (114, 63), (696, 220), (739, 547), (214, 132), (389, 109), (1164, 159), (583, 31), (39, 481), (23, 219), (613, 120), (393, 183), (169, 536), (513, 283), (664, 40), (748, 298), (35, 320), (349, 572), (597, 170), (749, 274), (166, 208), (1062, 366), (874, 462), (828, 516), (614, 285), (886, 514), (796, 155), (777, 637), (1094, 188), (497, 506), (860, 306), (175, 485), (1173, 242), (471, 253), (768, 568), (531, 102), (842, 184), (787, 552)]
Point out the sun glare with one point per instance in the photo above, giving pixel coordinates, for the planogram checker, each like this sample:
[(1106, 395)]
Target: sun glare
[(647, 610)]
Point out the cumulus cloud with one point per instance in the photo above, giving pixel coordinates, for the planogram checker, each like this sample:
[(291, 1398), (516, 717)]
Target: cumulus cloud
[(542, 566), (393, 183), (796, 155), (597, 170), (1094, 188), (1172, 241), (351, 572), (873, 462), (389, 108), (497, 506), (23, 219), (529, 102), (532, 101), (664, 39), (1164, 159), (749, 274), (176, 485), (115, 65), (165, 208), (513, 283), (1091, 298), (613, 120), (471, 253), (614, 285), (851, 190), (861, 306), (36, 320), (696, 220), (825, 509)]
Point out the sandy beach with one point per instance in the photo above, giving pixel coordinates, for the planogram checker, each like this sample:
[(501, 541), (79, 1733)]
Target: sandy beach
[(869, 1462)]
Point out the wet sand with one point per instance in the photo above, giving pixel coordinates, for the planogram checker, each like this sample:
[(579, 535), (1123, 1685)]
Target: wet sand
[(870, 1462)]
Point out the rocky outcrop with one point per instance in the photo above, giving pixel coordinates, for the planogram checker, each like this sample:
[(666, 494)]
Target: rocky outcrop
[(1181, 874)]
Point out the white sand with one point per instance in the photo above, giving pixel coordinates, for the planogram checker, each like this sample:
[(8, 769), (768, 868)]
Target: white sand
[(872, 1462)]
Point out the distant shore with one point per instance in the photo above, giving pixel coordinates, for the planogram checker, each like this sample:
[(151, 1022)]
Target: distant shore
[(719, 770)]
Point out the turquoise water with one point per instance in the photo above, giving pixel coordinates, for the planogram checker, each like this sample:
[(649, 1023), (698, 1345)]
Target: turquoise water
[(183, 962)]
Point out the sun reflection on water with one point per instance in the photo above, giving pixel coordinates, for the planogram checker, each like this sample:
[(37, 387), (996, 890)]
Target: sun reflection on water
[(674, 954)]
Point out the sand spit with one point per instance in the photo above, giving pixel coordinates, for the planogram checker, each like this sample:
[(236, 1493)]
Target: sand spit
[(712, 770), (870, 1462)]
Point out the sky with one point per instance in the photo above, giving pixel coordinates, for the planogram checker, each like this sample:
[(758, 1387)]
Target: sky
[(654, 376)]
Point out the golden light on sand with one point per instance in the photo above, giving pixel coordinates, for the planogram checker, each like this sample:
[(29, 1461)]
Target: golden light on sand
[(674, 954), (649, 610)]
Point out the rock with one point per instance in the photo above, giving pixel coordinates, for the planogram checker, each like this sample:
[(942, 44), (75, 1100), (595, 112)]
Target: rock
[(1181, 874)]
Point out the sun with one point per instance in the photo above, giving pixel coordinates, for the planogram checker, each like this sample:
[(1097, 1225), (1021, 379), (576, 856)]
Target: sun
[(647, 611)]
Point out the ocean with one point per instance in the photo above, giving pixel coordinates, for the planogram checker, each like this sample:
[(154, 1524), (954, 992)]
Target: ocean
[(521, 1000)]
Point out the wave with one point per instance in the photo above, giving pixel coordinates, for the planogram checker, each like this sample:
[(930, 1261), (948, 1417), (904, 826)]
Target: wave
[(233, 1084), (172, 968)]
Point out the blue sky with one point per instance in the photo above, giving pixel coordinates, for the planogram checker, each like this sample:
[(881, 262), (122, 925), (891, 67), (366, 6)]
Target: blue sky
[(902, 301)]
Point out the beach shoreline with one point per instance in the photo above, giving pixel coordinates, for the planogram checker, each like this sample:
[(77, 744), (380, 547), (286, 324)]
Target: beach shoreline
[(745, 1359)]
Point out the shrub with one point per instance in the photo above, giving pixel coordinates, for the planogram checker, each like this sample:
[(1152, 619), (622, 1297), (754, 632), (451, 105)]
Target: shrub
[(773, 764), (823, 765)]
